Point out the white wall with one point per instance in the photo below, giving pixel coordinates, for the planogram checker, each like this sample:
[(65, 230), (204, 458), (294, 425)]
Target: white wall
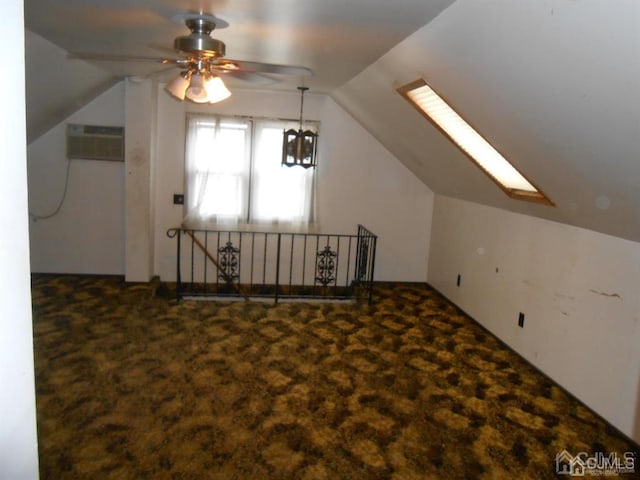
[(87, 235), (361, 182), (358, 180), (139, 160), (18, 436), (578, 290)]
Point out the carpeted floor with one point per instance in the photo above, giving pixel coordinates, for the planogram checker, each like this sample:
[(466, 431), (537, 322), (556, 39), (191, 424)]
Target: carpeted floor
[(132, 385)]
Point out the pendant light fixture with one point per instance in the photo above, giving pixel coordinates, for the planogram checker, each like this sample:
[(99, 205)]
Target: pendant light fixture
[(298, 146)]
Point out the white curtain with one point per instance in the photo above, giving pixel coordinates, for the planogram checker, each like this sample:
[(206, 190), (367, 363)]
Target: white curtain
[(217, 169), (279, 194)]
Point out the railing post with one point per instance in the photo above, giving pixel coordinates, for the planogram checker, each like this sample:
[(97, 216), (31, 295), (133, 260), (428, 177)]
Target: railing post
[(176, 232), (372, 263), (277, 285), (178, 276), (358, 280)]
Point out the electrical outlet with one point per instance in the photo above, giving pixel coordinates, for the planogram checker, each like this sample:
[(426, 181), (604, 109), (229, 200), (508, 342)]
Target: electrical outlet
[(178, 199), (521, 320)]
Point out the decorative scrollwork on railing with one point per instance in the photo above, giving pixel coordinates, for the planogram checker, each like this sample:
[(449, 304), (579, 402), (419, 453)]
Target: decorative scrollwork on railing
[(326, 266), (278, 265), (229, 263)]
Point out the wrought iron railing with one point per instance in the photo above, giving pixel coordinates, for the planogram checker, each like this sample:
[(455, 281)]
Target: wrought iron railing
[(213, 263)]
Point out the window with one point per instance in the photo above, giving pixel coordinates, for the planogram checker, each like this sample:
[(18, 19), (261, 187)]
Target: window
[(234, 173), (465, 137)]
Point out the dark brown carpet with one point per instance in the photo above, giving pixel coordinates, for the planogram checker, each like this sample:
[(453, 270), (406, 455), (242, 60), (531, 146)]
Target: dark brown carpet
[(131, 385)]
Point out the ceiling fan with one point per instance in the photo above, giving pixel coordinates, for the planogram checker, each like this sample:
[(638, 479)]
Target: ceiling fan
[(201, 60)]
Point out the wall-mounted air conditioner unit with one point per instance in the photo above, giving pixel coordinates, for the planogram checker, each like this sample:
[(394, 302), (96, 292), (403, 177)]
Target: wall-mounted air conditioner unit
[(95, 142)]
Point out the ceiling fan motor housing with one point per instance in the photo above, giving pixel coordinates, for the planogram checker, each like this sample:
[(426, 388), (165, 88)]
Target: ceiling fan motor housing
[(200, 44)]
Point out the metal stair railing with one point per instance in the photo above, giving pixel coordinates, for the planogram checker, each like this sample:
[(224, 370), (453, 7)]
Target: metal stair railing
[(233, 263)]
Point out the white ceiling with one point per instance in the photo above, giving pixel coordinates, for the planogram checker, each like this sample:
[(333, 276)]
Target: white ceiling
[(335, 38), (554, 84)]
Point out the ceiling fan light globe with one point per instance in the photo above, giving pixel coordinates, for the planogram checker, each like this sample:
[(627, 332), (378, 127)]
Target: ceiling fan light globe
[(198, 99), (197, 91), (198, 95), (216, 90), (178, 86)]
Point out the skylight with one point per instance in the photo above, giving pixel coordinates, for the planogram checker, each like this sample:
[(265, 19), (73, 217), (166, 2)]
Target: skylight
[(465, 137)]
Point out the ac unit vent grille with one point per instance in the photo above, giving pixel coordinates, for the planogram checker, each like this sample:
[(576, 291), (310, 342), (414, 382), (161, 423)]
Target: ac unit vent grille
[(93, 142)]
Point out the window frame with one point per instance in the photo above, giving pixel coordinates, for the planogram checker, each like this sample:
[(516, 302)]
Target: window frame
[(247, 217), (537, 196)]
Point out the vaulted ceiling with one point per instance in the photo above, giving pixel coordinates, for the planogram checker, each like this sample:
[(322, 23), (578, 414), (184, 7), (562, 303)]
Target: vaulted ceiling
[(335, 38), (554, 84)]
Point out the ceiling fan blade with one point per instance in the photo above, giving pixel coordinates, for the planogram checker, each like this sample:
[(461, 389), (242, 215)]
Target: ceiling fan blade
[(164, 49), (106, 57), (165, 73), (259, 67), (251, 77)]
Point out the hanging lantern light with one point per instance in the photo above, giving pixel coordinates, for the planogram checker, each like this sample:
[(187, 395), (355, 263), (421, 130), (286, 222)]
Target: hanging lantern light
[(298, 146)]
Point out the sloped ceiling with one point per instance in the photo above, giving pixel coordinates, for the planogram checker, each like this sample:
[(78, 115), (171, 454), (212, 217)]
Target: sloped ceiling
[(56, 86), (553, 84), (335, 38)]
